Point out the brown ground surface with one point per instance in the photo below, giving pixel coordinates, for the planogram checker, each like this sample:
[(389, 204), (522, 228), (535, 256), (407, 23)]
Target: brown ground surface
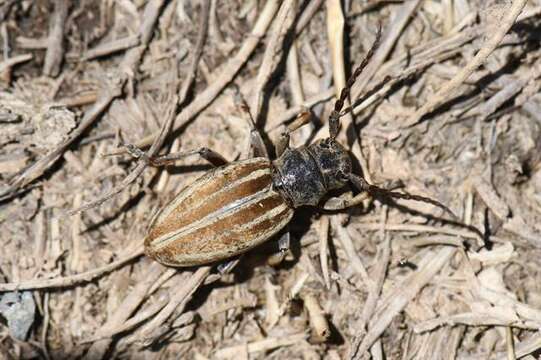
[(388, 279)]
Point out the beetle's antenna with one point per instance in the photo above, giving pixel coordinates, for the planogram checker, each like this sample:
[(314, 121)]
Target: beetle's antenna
[(335, 114), (368, 94), (363, 185)]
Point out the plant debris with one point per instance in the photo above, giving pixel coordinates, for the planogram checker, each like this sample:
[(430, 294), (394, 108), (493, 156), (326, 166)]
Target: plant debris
[(448, 108)]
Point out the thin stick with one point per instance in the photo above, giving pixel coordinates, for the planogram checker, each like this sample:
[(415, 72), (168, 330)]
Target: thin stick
[(446, 91), (282, 24), (112, 47), (399, 298), (202, 35), (55, 42), (318, 321), (109, 92), (422, 229), (323, 230), (231, 69), (124, 310), (131, 323), (176, 304), (266, 344), (348, 247), (141, 165), (71, 280), (10, 62), (379, 274)]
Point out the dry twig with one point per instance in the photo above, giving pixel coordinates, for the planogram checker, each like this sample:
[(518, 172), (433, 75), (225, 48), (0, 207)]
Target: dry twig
[(231, 69), (282, 24), (55, 41), (110, 91), (449, 88), (399, 298), (71, 280)]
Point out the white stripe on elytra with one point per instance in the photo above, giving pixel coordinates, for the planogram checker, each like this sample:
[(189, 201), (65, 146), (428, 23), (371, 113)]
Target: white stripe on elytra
[(191, 257), (214, 217), (202, 182)]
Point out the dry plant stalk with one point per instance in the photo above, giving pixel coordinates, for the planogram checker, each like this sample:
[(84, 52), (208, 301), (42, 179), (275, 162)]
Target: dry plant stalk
[(55, 41), (448, 89), (282, 24), (231, 69), (147, 304), (318, 321)]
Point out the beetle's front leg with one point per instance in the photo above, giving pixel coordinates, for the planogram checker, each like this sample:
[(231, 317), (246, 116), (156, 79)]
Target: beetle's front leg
[(210, 155), (256, 142), (283, 142)]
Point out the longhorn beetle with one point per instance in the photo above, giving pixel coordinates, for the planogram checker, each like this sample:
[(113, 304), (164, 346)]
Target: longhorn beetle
[(237, 206)]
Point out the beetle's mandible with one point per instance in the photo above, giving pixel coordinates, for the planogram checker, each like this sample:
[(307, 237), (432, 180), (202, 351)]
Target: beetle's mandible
[(237, 206)]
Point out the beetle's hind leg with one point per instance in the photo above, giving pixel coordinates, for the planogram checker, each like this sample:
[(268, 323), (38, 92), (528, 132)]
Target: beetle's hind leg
[(163, 160), (274, 260), (283, 141)]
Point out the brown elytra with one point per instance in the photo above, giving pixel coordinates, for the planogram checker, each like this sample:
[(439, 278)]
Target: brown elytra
[(227, 211)]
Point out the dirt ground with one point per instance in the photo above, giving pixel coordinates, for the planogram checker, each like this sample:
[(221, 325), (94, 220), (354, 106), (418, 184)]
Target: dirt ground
[(447, 108)]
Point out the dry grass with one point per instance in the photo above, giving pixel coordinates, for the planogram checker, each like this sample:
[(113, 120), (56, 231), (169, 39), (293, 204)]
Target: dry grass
[(458, 121)]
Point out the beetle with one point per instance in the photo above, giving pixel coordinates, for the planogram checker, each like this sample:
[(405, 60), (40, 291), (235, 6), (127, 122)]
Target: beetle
[(237, 206)]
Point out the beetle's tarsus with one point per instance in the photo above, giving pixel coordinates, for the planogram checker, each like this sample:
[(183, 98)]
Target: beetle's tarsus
[(282, 144), (227, 267), (283, 250)]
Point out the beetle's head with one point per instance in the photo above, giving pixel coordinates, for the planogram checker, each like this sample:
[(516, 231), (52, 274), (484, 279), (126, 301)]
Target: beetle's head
[(333, 161)]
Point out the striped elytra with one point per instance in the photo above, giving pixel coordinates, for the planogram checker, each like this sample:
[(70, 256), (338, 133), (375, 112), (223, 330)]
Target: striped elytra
[(225, 212)]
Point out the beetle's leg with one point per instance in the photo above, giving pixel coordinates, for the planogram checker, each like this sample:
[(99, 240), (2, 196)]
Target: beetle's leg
[(257, 146), (283, 142), (256, 141), (283, 249), (340, 203), (228, 266), (210, 155)]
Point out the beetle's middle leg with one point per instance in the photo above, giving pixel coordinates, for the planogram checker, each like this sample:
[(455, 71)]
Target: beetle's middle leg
[(283, 248), (340, 203), (283, 142), (163, 160)]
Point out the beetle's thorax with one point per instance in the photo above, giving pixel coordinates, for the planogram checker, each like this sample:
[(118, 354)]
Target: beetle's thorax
[(304, 175)]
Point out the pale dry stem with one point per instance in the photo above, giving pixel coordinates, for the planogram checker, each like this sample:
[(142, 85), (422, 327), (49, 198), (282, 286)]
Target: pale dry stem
[(447, 90)]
